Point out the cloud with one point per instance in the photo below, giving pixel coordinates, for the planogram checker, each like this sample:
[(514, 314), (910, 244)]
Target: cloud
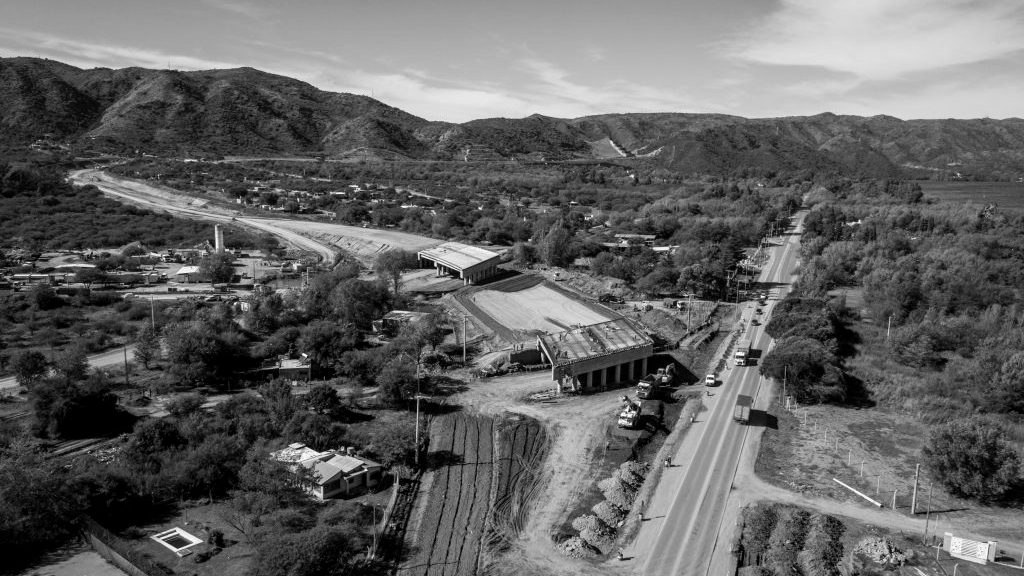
[(240, 7), (91, 55), (883, 39)]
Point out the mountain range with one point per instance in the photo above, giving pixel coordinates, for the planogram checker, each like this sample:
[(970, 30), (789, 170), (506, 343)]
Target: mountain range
[(244, 111)]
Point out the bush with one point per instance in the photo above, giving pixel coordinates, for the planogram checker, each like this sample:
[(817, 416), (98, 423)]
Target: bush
[(758, 524), (786, 541), (823, 549), (972, 459)]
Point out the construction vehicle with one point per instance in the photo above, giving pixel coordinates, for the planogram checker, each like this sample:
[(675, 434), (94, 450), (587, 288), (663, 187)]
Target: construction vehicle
[(629, 417), (742, 354), (648, 386), (741, 413)]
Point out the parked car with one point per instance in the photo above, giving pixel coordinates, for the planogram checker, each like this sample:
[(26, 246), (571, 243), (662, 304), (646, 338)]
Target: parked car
[(709, 380)]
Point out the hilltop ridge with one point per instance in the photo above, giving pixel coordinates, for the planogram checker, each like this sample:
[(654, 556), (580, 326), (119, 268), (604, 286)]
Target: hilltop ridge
[(248, 111)]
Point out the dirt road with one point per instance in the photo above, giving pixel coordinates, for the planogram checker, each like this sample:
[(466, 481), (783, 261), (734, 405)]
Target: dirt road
[(322, 238), (113, 357)]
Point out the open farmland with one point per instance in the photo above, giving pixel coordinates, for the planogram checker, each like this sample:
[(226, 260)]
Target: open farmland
[(458, 527), (522, 306), (1006, 195)]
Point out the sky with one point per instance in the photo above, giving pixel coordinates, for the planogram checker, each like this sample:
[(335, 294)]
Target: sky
[(456, 60)]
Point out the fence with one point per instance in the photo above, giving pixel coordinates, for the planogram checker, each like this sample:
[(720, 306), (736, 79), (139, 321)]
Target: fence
[(118, 552)]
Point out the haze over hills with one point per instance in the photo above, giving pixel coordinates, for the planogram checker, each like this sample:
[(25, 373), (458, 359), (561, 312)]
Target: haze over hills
[(245, 111)]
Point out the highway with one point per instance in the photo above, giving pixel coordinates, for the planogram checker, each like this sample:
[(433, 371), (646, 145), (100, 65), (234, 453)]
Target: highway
[(683, 520)]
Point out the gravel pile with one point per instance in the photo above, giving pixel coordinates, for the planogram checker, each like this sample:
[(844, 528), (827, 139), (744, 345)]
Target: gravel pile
[(881, 550)]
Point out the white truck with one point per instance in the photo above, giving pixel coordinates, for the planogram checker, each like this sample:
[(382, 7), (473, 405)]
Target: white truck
[(742, 355)]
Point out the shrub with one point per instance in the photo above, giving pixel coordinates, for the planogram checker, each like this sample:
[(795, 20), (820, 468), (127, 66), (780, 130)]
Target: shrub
[(786, 541), (972, 458), (823, 549), (758, 524)]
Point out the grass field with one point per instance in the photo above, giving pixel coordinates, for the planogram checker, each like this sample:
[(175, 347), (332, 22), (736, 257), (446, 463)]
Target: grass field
[(1006, 195)]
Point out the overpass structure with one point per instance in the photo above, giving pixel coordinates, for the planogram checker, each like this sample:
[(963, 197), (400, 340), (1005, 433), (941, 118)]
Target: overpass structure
[(470, 263), (598, 354)]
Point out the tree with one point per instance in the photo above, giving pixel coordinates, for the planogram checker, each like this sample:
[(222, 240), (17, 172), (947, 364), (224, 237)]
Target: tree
[(71, 364), (397, 381), (89, 276), (35, 506), (811, 370), (973, 459), (199, 353), (391, 264), (323, 398), (1006, 391), (555, 249), (325, 342), (218, 267), (147, 348), (29, 366)]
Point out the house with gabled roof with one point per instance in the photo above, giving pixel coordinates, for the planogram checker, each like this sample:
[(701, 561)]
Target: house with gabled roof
[(333, 473)]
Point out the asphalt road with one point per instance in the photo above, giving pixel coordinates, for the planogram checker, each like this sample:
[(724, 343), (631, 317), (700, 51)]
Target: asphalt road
[(679, 534), (102, 360)]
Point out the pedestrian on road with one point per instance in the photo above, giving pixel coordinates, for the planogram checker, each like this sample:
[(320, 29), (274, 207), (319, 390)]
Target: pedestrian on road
[(691, 419), (621, 557)]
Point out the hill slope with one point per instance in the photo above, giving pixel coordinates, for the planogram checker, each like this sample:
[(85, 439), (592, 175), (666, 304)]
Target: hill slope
[(246, 111)]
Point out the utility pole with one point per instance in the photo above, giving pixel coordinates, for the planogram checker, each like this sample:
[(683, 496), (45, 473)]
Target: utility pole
[(894, 499), (928, 512), (888, 328), (785, 376), (463, 338), (913, 499), (152, 312)]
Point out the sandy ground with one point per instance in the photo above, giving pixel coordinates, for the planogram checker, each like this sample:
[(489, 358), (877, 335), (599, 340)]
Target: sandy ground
[(535, 309)]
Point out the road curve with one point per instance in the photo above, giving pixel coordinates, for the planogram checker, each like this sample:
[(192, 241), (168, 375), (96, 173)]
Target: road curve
[(682, 522), (142, 194)]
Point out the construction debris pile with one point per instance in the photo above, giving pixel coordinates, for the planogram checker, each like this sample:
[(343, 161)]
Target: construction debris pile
[(881, 550), (576, 547)]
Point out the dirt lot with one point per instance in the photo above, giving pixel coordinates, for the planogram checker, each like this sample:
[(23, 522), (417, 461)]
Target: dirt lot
[(519, 307), (796, 457)]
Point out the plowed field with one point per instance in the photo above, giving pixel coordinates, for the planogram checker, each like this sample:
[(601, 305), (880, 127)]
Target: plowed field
[(459, 523)]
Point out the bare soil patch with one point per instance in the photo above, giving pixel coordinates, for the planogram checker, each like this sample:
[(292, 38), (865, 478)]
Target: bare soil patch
[(796, 457)]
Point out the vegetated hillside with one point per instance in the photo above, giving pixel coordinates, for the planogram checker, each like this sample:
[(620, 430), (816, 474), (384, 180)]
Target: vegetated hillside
[(246, 111), (215, 111)]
